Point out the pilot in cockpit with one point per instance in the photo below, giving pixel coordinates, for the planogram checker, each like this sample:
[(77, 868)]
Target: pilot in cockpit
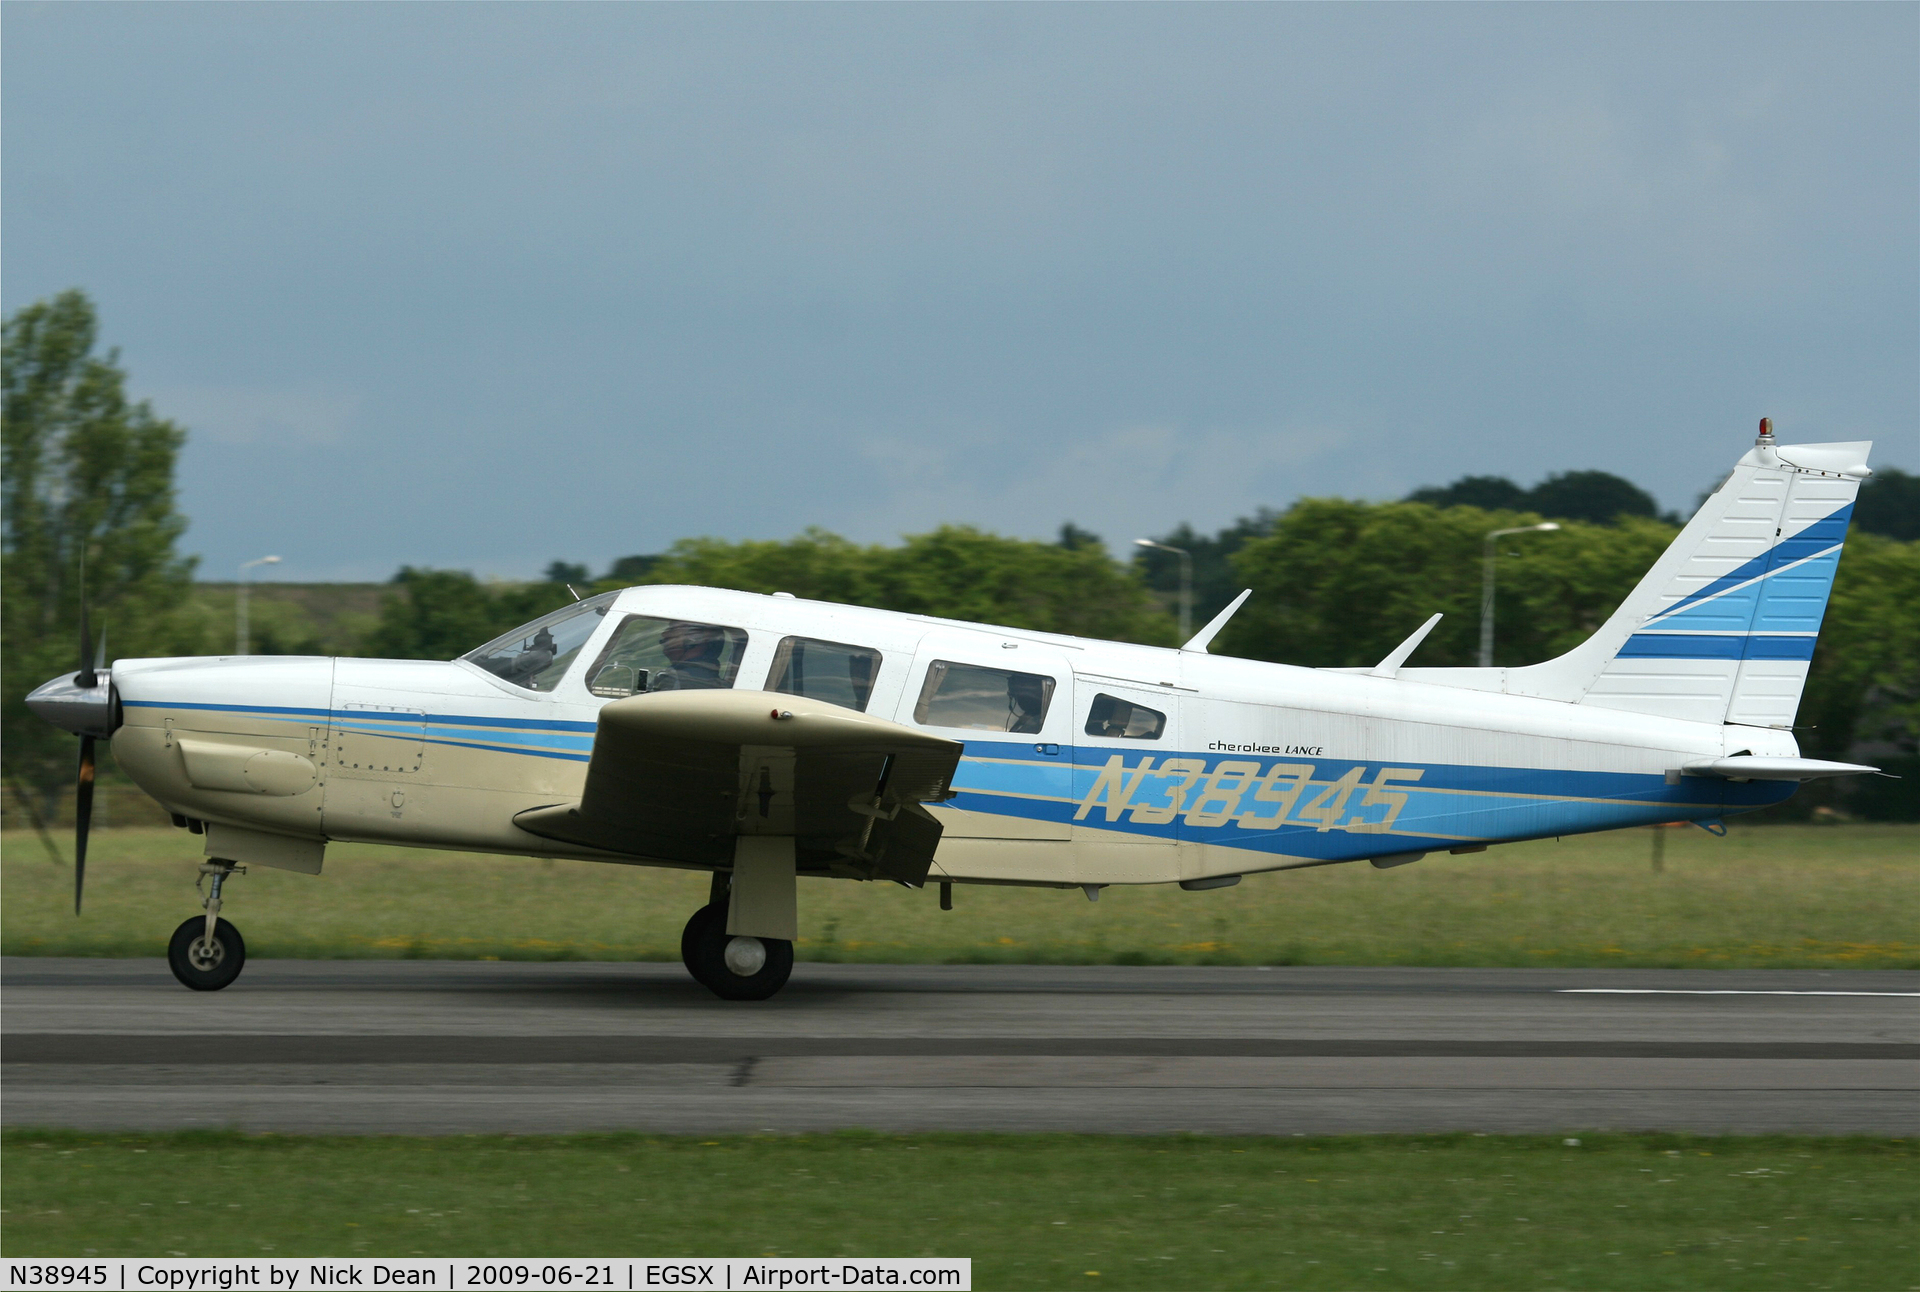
[(693, 657), (535, 656)]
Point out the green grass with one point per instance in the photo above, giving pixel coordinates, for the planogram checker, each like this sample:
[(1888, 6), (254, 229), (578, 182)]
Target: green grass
[(1032, 1211), (1763, 897)]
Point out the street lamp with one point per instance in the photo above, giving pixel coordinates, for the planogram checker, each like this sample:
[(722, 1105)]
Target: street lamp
[(240, 634), (1486, 586), (1186, 583)]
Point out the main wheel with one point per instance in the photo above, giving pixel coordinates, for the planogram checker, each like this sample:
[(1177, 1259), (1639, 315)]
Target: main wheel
[(203, 967), (733, 968)]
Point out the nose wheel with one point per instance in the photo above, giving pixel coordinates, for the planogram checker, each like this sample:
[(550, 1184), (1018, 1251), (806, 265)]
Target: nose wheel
[(206, 953), (206, 964), (733, 968)]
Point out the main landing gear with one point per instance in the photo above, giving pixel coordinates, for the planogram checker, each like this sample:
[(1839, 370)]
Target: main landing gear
[(732, 967), (205, 952)]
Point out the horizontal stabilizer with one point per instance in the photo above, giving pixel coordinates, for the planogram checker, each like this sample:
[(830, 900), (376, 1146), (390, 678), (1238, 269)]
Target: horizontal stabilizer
[(1747, 767)]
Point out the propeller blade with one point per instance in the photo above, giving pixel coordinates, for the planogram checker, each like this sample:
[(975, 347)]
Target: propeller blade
[(100, 654), (86, 677), (82, 820)]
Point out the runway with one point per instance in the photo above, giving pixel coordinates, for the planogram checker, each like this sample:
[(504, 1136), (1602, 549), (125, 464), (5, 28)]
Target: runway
[(446, 1047)]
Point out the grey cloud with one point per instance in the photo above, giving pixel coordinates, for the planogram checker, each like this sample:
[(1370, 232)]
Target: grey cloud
[(602, 276)]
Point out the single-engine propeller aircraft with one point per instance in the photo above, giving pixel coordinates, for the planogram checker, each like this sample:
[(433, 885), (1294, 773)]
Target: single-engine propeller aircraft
[(766, 738)]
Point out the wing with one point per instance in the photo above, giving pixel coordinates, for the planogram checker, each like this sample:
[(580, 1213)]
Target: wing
[(678, 775)]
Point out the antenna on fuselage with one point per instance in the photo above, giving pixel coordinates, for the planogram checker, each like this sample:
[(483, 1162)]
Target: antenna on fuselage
[(1390, 666), (1219, 621)]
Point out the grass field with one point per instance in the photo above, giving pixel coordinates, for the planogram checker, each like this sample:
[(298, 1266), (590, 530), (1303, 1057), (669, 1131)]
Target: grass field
[(1032, 1211), (1763, 897)]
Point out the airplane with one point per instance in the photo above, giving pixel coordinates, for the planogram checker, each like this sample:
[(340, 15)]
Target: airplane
[(764, 739)]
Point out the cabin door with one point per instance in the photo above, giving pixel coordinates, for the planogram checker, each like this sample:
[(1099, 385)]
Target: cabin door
[(1012, 705)]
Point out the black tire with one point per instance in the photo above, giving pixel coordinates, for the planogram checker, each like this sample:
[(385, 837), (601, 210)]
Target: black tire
[(704, 945), (200, 972), (695, 933)]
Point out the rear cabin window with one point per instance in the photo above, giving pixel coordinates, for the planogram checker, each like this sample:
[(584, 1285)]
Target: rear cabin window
[(983, 699), (831, 671), (1118, 719), (648, 654), (538, 655)]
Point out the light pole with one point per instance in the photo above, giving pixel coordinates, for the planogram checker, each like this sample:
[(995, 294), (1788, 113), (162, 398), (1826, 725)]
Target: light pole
[(1186, 583), (1486, 586), (240, 634)]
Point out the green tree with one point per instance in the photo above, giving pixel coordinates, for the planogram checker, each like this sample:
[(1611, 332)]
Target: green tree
[(958, 572), (955, 572), (1594, 496), (1075, 538), (1889, 504), (1599, 497), (86, 472), (1214, 581), (1489, 493), (816, 564), (1865, 683), (1339, 584)]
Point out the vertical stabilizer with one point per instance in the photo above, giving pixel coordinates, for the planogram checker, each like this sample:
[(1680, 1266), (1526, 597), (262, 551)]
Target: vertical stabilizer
[(1722, 627)]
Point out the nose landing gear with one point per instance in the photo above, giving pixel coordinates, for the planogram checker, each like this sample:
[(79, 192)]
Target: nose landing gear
[(206, 953)]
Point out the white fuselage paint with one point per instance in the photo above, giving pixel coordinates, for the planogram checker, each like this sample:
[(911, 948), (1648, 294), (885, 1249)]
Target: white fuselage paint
[(1258, 766)]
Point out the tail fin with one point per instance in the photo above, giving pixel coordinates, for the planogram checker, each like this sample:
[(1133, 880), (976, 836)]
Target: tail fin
[(1722, 627)]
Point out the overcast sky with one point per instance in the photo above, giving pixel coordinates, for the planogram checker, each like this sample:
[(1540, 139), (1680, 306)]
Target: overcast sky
[(482, 286)]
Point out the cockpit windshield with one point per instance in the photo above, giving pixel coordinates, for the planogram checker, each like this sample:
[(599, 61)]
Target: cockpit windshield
[(537, 655)]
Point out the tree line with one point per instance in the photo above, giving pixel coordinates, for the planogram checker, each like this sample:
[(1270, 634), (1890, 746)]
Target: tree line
[(1335, 582)]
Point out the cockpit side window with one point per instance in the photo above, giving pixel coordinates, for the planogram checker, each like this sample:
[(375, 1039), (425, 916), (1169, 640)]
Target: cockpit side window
[(649, 654), (831, 671), (1118, 719), (537, 655), (983, 699)]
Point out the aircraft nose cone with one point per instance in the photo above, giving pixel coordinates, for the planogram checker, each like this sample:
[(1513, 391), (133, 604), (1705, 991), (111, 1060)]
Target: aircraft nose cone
[(83, 710)]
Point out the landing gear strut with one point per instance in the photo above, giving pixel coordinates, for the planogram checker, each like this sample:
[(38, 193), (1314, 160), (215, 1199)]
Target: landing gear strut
[(205, 952), (732, 968)]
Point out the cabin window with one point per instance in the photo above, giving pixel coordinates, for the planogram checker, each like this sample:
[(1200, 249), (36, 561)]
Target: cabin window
[(1118, 719), (537, 655), (830, 671), (649, 654), (983, 699)]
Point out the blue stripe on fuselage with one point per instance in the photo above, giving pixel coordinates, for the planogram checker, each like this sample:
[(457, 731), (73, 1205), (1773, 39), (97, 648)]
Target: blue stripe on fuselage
[(366, 715), (1208, 797)]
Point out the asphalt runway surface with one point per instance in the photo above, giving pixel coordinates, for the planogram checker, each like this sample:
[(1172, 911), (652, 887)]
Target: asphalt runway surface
[(447, 1047)]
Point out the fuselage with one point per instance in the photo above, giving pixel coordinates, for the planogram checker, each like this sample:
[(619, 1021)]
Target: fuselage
[(1109, 764)]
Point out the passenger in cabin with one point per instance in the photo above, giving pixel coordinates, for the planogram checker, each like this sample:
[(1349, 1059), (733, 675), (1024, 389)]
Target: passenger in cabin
[(1026, 703), (693, 658)]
